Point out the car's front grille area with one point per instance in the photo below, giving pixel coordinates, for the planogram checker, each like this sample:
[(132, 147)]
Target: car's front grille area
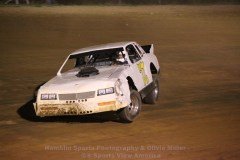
[(76, 96), (86, 95), (67, 96)]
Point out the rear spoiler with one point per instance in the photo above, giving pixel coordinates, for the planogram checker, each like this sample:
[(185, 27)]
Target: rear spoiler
[(148, 48)]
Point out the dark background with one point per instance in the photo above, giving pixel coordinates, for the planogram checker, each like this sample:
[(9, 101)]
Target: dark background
[(129, 2)]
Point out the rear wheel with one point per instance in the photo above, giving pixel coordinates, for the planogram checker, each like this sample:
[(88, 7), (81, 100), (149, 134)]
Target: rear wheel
[(152, 97), (128, 113)]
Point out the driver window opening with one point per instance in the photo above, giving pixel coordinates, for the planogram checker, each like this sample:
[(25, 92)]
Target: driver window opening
[(132, 53), (139, 51)]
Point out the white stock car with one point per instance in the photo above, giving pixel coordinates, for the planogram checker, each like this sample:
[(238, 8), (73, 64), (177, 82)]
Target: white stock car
[(110, 77)]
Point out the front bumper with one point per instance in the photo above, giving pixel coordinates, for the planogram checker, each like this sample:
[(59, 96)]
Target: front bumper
[(77, 108)]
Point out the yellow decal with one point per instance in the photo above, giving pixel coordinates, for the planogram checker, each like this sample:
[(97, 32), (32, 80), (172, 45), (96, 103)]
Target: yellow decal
[(142, 71), (107, 103)]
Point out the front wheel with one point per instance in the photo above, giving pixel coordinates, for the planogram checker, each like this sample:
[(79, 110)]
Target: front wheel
[(128, 113)]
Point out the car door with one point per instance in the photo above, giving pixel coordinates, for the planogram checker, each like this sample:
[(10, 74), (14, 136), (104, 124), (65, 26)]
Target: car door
[(137, 67), (145, 65)]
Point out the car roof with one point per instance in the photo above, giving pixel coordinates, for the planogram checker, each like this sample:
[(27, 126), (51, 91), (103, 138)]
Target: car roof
[(102, 47)]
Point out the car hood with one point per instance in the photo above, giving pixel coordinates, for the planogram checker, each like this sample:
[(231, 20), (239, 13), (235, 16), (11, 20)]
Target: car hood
[(69, 82)]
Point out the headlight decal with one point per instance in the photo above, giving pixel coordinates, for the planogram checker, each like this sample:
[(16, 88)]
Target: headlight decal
[(44, 96), (109, 90), (105, 91), (51, 96)]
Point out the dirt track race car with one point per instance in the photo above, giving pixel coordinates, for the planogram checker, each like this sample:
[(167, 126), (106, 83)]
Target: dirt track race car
[(110, 77)]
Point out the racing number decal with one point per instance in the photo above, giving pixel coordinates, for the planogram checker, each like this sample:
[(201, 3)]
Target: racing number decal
[(142, 71)]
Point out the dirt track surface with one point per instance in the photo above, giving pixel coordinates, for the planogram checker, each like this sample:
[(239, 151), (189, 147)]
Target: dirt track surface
[(196, 118)]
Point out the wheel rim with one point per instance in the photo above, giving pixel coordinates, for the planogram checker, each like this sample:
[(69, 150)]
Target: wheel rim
[(134, 105), (156, 91)]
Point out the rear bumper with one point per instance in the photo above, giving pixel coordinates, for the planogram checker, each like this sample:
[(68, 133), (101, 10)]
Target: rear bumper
[(43, 110)]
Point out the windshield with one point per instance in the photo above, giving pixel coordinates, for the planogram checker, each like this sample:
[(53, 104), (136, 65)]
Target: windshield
[(97, 58)]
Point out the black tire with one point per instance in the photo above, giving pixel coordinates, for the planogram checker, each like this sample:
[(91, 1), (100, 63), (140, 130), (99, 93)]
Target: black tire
[(128, 113), (153, 96)]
